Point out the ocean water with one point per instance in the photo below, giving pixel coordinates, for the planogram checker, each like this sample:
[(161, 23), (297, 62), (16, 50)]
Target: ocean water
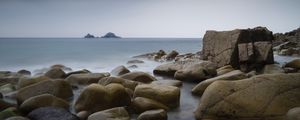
[(98, 55)]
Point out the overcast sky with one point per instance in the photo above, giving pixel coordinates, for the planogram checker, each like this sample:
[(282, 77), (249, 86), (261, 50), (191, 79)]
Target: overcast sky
[(143, 18)]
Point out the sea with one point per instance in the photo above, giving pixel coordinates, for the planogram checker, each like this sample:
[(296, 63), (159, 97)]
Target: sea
[(101, 55)]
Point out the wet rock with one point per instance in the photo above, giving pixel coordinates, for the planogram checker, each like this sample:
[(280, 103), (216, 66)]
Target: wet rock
[(17, 118), (118, 113), (141, 104), (133, 66), (120, 70), (58, 88), (55, 73), (9, 77), (263, 96), (168, 69), (51, 113), (225, 69), (293, 114), (159, 114), (172, 55), (97, 97), (135, 61), (197, 72), (293, 64), (5, 105), (85, 79), (139, 77), (60, 66), (175, 83), (125, 82), (83, 71), (247, 49), (23, 82), (24, 72), (233, 75), (9, 112), (44, 100), (83, 115), (167, 95), (272, 68), (7, 88)]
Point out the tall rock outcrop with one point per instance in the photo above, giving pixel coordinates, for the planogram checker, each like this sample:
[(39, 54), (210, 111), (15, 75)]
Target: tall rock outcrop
[(246, 49)]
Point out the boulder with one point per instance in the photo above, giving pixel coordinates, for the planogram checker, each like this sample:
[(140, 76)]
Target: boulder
[(133, 66), (83, 115), (9, 112), (233, 75), (293, 64), (17, 118), (125, 82), (168, 69), (135, 61), (97, 97), (83, 71), (241, 48), (141, 104), (44, 100), (167, 95), (224, 69), (139, 77), (9, 77), (4, 105), (272, 68), (175, 83), (51, 113), (60, 66), (159, 114), (23, 82), (172, 55), (7, 88), (196, 72), (55, 73), (118, 113), (267, 96), (58, 88), (24, 72), (85, 79), (293, 114), (120, 70)]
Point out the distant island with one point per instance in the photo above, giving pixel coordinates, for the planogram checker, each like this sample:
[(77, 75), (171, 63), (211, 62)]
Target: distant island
[(107, 35)]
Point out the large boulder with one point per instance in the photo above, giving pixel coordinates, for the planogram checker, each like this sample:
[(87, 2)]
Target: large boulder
[(125, 82), (158, 114), (139, 77), (172, 55), (293, 64), (51, 113), (168, 69), (24, 72), (96, 97), (230, 76), (83, 71), (85, 79), (167, 95), (9, 112), (55, 73), (120, 70), (175, 83), (141, 104), (224, 69), (241, 48), (58, 88), (118, 113), (45, 100), (267, 96), (197, 72)]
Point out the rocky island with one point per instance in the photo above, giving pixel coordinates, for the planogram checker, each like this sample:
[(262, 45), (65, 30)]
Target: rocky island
[(235, 74), (89, 36), (110, 35)]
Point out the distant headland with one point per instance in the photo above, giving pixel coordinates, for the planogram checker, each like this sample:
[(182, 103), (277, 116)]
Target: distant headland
[(107, 35)]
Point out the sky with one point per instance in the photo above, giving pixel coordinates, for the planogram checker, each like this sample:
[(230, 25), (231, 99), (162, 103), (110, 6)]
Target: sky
[(143, 18)]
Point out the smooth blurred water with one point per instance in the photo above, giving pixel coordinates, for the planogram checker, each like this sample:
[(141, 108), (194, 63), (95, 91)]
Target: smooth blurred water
[(77, 53)]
